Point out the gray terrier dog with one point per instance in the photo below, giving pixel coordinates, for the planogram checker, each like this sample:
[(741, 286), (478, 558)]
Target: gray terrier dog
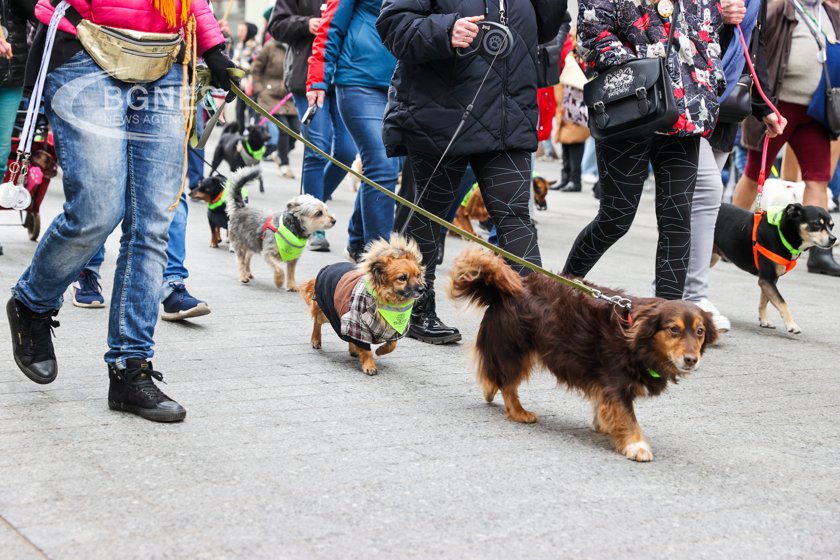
[(279, 238)]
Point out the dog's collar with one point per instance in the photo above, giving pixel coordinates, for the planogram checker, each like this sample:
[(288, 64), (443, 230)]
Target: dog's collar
[(469, 195), (653, 373), (398, 316), (289, 245), (774, 218), (256, 154), (758, 248), (221, 198)]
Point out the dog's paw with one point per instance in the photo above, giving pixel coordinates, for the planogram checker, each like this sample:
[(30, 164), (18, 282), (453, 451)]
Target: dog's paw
[(354, 354), (245, 279), (523, 417), (793, 328), (293, 288), (316, 345), (370, 371), (766, 324), (214, 245), (638, 451)]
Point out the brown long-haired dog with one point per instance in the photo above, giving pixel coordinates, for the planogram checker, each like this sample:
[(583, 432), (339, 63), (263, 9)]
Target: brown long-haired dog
[(472, 208), (351, 298), (585, 342)]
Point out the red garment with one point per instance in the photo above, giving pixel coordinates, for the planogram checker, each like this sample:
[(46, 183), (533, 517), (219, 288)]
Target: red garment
[(547, 107), (137, 15)]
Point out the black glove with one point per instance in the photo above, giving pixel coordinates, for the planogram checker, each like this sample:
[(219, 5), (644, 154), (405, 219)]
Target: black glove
[(218, 63)]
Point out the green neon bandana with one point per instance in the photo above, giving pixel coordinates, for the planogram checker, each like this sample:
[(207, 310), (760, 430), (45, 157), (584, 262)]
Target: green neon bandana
[(218, 202), (653, 374), (257, 155), (774, 218), (289, 245), (469, 194), (398, 317)]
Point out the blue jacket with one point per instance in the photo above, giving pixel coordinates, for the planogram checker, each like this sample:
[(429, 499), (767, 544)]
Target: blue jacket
[(347, 49)]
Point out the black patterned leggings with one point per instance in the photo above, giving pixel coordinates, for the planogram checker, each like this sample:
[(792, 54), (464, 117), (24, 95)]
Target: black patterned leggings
[(505, 182), (623, 168)]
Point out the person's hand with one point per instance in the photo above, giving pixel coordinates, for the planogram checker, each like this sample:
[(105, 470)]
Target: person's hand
[(464, 31), (5, 49), (224, 27), (733, 11), (218, 63), (314, 24), (315, 96), (774, 125)]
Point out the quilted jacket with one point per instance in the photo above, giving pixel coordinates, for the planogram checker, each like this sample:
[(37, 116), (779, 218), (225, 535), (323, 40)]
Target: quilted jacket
[(432, 86), (611, 32), (138, 15)]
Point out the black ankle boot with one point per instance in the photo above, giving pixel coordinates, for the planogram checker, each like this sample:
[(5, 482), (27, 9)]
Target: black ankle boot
[(32, 341), (425, 325), (821, 261), (133, 390)]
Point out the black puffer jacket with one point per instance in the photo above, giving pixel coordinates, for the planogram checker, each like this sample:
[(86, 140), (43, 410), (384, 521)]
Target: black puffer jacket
[(290, 24), (432, 86), (14, 14)]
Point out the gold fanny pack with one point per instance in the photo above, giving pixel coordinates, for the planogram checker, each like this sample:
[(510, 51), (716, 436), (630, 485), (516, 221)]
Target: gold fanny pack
[(129, 56)]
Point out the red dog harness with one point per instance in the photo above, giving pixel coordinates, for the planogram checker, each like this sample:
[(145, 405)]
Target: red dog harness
[(789, 264)]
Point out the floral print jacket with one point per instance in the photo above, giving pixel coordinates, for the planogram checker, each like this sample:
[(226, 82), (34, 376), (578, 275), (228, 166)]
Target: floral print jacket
[(611, 32)]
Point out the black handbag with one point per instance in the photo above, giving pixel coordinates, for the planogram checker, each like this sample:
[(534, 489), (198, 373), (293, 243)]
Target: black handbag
[(634, 99), (548, 64), (738, 104)]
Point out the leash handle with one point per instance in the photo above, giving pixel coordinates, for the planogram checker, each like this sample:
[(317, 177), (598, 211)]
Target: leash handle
[(762, 174)]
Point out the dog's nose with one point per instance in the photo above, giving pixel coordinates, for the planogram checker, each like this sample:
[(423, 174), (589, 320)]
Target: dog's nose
[(832, 240), (690, 360), (332, 221), (420, 289)]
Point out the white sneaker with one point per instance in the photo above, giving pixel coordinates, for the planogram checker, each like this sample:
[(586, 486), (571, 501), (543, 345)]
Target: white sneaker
[(287, 172), (722, 324)]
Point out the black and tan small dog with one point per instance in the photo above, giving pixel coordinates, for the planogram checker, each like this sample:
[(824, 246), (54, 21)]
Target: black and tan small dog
[(583, 341), (541, 186), (212, 191), (781, 236), (240, 149), (280, 238), (368, 303)]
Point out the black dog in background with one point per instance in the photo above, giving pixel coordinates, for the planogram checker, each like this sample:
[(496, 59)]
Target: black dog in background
[(240, 149), (212, 191)]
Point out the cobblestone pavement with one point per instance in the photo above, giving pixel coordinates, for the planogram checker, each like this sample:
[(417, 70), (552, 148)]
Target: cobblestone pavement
[(288, 452)]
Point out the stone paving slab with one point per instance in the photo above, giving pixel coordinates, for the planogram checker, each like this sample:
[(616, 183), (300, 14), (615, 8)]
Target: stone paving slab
[(288, 452)]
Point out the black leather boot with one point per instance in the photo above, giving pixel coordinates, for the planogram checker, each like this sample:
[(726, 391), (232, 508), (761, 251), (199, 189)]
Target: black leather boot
[(133, 390), (32, 341), (425, 325), (821, 261)]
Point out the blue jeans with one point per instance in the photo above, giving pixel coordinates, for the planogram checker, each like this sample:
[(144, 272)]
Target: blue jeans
[(195, 158), (176, 251), (9, 103), (121, 149), (589, 165), (362, 109), (327, 131)]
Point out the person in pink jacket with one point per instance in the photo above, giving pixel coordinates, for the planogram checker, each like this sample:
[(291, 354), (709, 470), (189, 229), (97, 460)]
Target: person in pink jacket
[(121, 147)]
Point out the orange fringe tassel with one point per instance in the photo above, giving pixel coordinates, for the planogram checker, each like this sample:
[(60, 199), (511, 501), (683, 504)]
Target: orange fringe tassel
[(167, 9)]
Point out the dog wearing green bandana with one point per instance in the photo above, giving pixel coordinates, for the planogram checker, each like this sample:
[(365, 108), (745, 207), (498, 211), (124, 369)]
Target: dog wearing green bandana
[(280, 238), (369, 303)]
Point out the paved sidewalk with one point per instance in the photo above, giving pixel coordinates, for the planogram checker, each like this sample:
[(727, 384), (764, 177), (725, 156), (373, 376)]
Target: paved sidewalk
[(288, 452)]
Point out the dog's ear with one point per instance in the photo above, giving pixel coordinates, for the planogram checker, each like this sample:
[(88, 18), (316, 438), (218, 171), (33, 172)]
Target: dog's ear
[(292, 205), (794, 210), (378, 271), (645, 325), (711, 331)]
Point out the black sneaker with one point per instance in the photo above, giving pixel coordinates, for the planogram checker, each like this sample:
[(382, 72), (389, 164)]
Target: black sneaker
[(426, 326), (133, 390), (32, 341)]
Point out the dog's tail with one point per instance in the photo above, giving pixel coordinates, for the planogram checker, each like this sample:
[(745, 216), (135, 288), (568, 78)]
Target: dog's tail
[(235, 184), (307, 291), (483, 278)]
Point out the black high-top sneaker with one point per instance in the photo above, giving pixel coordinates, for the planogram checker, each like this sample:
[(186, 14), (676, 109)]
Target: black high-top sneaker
[(425, 324), (32, 341), (133, 390)]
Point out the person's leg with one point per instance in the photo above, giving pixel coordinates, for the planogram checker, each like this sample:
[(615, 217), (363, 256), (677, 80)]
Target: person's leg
[(362, 109), (282, 141), (505, 182), (675, 170), (436, 198), (87, 291), (623, 167), (319, 132), (9, 103), (195, 161), (589, 164), (576, 162), (343, 147), (156, 155), (85, 122)]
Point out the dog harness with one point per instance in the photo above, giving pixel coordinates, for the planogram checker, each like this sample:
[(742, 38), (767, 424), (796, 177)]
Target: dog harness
[(774, 218), (289, 245), (250, 156), (397, 316)]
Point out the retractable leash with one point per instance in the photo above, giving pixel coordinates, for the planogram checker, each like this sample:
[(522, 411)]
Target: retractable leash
[(14, 194)]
